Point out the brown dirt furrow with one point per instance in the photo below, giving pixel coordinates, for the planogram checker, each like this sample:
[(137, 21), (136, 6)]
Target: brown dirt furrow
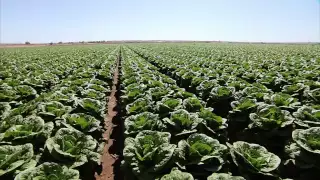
[(109, 156)]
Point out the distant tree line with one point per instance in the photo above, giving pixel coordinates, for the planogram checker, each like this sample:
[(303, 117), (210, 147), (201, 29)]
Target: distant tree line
[(81, 42), (103, 41)]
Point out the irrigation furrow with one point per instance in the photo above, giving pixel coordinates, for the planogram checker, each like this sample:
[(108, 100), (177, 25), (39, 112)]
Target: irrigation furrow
[(113, 135)]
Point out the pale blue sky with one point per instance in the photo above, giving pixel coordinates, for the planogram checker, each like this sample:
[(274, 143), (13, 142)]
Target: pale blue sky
[(41, 21)]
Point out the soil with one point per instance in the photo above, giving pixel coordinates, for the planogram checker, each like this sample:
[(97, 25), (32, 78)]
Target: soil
[(113, 135)]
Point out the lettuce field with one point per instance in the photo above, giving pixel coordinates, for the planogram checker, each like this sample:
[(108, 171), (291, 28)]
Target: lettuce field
[(160, 111)]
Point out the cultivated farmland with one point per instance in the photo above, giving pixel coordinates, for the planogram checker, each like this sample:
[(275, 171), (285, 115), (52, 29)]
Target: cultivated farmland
[(165, 111)]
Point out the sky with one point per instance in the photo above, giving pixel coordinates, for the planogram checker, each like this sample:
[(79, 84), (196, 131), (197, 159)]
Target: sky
[(43, 21)]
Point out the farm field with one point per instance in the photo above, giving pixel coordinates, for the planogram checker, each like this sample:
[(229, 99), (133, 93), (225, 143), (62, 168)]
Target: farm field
[(137, 111)]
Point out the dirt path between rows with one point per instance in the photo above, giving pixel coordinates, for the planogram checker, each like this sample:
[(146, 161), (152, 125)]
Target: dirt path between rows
[(111, 151)]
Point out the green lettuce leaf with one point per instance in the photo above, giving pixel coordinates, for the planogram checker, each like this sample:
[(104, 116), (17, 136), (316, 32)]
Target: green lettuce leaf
[(182, 122), (203, 151), (307, 117), (254, 158), (167, 105), (193, 104), (224, 176), (176, 174), (149, 153), (82, 122), (73, 147), (138, 106), (4, 109), (25, 130), (13, 157), (143, 121), (270, 117), (49, 171)]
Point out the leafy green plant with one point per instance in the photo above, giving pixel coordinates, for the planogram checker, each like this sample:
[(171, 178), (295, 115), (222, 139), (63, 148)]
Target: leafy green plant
[(138, 106), (181, 93), (134, 93), (52, 110), (60, 97), (193, 104), (70, 90), (35, 82), (4, 109), (243, 106), (253, 92), (203, 151), (182, 122), (25, 130), (158, 93), (187, 78), (14, 157), (104, 75), (251, 76), (294, 89), (312, 84), (211, 122), (93, 94), (12, 82), (272, 81), (270, 117), (312, 96), (307, 117), (90, 106), (9, 121), (254, 158), (143, 121), (304, 151), (149, 153), (284, 101), (197, 81), (308, 139), (167, 105), (97, 87), (7, 94), (224, 176), (176, 174), (130, 80), (220, 98), (50, 171), (154, 84), (221, 94), (238, 84), (205, 88), (166, 79), (73, 147), (25, 92), (98, 82), (82, 122), (80, 82)]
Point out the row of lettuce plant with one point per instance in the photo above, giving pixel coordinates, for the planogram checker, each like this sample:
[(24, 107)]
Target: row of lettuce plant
[(264, 109), (292, 76), (171, 134), (60, 132), (27, 73)]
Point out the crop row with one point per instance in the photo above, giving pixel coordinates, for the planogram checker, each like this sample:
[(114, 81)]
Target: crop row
[(169, 132), (59, 131), (189, 111), (271, 106)]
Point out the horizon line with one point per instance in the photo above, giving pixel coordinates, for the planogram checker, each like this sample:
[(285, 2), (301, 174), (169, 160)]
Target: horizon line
[(209, 41)]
